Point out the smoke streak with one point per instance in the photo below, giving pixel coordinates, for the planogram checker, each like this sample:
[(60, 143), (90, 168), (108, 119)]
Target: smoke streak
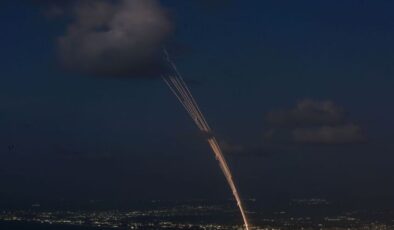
[(123, 39), (178, 86)]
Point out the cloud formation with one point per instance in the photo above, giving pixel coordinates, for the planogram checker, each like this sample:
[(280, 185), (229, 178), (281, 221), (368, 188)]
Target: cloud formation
[(307, 112), (312, 122), (122, 38), (340, 134)]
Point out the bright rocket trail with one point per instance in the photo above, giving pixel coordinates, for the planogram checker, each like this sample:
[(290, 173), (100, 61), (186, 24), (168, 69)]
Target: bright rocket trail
[(178, 86)]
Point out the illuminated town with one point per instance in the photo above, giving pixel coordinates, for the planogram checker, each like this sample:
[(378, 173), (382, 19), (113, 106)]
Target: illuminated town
[(202, 215)]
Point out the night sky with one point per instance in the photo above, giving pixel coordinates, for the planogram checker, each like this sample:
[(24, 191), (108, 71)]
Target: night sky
[(299, 94)]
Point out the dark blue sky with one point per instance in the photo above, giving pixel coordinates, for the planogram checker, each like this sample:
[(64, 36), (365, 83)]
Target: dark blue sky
[(68, 136)]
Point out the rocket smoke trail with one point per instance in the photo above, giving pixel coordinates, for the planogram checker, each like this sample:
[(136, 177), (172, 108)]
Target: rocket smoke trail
[(178, 86), (135, 30)]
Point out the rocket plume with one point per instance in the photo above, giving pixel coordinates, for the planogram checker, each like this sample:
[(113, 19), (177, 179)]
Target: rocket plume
[(123, 39), (178, 86)]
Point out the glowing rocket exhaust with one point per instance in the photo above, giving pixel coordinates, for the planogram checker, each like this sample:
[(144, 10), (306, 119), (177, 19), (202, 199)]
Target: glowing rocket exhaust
[(178, 86)]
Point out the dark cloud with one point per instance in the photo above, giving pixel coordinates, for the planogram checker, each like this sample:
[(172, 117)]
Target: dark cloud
[(307, 112), (341, 134), (312, 122), (121, 38)]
